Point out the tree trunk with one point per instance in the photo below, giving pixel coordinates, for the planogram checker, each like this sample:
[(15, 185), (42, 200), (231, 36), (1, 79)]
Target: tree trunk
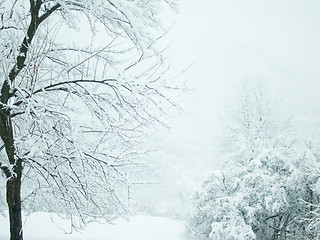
[(14, 204), (13, 175)]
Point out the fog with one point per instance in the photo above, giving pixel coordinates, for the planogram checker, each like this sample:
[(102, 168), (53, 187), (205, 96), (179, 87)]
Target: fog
[(228, 42), (218, 45)]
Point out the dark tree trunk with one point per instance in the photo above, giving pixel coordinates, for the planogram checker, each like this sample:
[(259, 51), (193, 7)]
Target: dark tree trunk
[(6, 130), (14, 204), (13, 175)]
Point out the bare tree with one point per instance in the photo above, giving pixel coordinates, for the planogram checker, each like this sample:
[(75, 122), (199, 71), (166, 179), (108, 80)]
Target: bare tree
[(75, 111)]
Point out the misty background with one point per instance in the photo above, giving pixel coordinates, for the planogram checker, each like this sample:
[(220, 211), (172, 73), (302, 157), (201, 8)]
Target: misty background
[(217, 46)]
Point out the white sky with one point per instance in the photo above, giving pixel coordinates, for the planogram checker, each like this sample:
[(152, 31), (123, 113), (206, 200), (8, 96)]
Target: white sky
[(229, 40)]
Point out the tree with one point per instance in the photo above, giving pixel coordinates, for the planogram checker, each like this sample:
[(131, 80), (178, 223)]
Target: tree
[(74, 112), (311, 169), (260, 191)]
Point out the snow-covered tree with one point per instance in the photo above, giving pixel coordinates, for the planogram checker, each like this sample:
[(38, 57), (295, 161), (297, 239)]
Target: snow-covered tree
[(311, 169), (260, 192), (81, 83)]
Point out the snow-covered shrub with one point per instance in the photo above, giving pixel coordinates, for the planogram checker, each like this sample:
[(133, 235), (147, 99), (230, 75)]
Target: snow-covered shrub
[(260, 192), (311, 169), (261, 199)]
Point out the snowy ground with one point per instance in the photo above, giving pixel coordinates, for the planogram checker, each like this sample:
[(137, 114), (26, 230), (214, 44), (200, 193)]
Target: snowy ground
[(39, 226)]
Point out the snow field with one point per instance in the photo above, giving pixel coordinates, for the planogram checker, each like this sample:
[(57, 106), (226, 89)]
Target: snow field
[(39, 226)]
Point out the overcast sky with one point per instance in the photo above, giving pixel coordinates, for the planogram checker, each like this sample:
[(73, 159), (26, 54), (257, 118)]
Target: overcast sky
[(232, 40)]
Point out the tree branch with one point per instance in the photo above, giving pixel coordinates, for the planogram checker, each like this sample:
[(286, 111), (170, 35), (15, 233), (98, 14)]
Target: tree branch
[(33, 26), (105, 81), (5, 170), (48, 13)]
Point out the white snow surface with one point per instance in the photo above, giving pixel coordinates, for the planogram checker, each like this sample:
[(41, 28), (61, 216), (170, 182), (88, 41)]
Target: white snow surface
[(40, 226)]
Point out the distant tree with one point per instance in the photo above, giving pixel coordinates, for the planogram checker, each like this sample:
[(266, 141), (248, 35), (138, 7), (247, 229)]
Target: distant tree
[(311, 169), (75, 111), (260, 191)]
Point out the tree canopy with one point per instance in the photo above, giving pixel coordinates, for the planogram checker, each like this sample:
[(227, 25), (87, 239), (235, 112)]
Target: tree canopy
[(81, 83)]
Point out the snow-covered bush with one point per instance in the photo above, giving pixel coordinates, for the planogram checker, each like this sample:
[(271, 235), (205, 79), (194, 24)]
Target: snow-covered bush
[(311, 168), (260, 193), (259, 199)]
